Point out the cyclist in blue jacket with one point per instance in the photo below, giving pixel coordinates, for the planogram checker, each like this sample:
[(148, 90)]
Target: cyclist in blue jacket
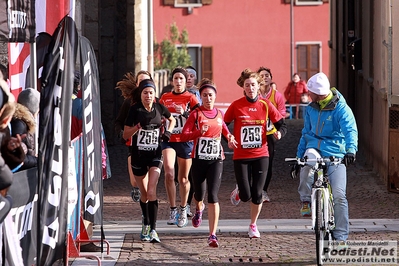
[(330, 128)]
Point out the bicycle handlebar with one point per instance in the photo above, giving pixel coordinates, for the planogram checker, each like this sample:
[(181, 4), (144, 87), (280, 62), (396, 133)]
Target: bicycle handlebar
[(303, 161)]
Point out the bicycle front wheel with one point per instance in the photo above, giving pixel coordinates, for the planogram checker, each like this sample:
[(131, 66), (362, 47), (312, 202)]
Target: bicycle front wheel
[(320, 229)]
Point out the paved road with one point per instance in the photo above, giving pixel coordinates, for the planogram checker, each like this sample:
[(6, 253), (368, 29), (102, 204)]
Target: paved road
[(286, 238)]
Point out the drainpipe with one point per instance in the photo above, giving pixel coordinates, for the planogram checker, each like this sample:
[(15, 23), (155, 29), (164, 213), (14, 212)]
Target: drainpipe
[(389, 46), (292, 36), (150, 57)]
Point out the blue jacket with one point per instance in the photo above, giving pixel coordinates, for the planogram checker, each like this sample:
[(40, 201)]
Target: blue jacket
[(332, 130)]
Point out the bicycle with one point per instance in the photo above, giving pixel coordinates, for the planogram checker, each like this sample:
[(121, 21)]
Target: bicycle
[(322, 203)]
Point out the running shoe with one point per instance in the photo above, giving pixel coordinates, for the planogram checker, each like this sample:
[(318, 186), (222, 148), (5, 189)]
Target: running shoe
[(182, 220), (265, 197), (135, 194), (197, 219), (145, 233), (342, 245), (172, 216), (235, 197), (189, 213), (213, 241), (253, 231), (305, 210), (154, 237)]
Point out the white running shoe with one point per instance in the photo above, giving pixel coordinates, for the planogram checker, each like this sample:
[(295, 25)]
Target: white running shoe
[(253, 231), (145, 233), (265, 197), (154, 237), (182, 221), (172, 217)]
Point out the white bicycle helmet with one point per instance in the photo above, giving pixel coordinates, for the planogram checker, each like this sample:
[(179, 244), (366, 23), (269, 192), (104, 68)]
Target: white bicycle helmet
[(312, 154)]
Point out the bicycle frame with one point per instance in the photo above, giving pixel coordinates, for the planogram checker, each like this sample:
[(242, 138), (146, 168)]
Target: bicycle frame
[(322, 204), (328, 211)]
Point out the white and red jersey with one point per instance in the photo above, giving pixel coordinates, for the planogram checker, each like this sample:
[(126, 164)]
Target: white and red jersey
[(207, 146), (185, 99), (250, 126)]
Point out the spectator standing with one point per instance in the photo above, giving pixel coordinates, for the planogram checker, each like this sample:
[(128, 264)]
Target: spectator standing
[(24, 123), (12, 155), (250, 115), (293, 92)]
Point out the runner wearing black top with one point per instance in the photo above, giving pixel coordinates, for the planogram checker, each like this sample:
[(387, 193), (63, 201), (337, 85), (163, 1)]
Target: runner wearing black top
[(144, 123)]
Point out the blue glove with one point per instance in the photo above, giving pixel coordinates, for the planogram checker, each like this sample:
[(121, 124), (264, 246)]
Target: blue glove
[(349, 158)]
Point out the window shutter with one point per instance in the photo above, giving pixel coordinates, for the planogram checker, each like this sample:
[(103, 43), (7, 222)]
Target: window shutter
[(169, 2), (206, 2), (207, 62), (308, 57)]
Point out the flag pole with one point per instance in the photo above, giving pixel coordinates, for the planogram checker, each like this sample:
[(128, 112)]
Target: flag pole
[(33, 82)]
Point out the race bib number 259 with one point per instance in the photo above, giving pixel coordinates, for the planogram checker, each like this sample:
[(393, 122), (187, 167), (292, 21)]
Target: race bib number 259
[(251, 137)]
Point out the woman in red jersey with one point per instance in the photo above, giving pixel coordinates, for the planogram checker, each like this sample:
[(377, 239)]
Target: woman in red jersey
[(205, 126), (180, 103), (250, 115)]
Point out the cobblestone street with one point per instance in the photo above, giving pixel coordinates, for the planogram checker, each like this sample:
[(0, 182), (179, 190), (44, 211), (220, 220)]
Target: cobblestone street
[(367, 195)]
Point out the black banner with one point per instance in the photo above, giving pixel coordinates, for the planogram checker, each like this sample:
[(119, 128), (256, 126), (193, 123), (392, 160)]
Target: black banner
[(54, 136), (92, 142), (17, 21), (24, 215)]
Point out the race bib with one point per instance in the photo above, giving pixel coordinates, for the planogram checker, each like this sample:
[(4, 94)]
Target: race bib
[(208, 148), (180, 121), (147, 140), (251, 137)]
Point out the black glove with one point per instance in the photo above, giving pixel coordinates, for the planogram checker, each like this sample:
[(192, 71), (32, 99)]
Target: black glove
[(295, 169), (166, 136), (349, 158)]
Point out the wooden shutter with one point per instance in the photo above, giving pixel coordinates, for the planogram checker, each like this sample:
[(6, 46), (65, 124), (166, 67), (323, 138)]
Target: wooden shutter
[(207, 62), (169, 2), (206, 2), (308, 57)]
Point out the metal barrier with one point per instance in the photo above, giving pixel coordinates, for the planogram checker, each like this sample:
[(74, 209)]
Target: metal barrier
[(161, 79), (289, 108)]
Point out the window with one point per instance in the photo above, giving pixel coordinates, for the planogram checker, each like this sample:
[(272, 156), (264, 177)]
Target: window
[(202, 60), (308, 59)]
